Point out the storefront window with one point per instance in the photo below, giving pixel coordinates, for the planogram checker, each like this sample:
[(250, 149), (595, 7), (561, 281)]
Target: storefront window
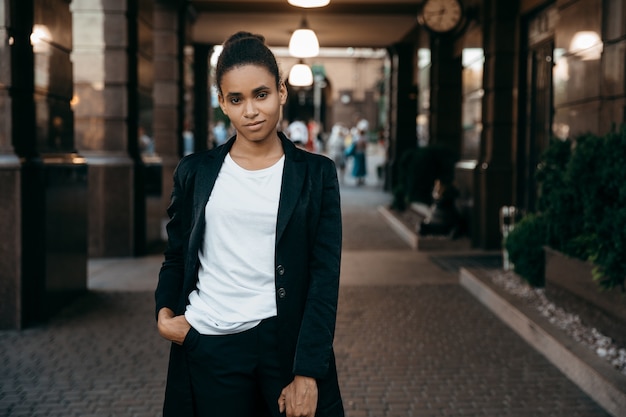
[(473, 61)]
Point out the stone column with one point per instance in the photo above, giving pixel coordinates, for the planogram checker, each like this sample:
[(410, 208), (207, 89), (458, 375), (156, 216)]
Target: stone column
[(201, 94), (46, 198), (494, 172), (168, 88), (445, 94), (403, 107), (10, 221), (23, 282), (101, 82), (64, 182), (10, 182)]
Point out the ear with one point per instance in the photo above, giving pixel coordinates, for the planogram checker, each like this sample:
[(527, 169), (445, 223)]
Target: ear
[(282, 91), (220, 100)]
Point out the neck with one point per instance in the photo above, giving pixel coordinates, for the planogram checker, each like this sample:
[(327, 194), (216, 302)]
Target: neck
[(257, 155), (257, 148)]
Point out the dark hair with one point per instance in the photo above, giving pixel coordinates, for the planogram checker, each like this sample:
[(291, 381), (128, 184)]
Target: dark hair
[(244, 48)]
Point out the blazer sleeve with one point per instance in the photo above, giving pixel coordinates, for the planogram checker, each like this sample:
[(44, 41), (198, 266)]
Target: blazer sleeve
[(171, 275), (314, 347)]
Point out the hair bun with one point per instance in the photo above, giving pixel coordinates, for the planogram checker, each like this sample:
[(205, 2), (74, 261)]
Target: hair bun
[(245, 48), (245, 35)]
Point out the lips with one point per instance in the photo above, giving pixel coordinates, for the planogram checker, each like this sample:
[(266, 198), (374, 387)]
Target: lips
[(255, 125)]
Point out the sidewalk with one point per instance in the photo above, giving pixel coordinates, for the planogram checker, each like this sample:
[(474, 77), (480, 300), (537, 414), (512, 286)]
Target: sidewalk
[(410, 341)]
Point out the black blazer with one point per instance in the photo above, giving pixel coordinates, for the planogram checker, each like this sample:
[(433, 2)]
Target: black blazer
[(308, 256)]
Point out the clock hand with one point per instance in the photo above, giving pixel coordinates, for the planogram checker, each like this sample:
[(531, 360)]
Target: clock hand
[(437, 13)]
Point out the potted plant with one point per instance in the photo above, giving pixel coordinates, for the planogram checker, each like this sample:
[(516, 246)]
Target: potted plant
[(524, 245)]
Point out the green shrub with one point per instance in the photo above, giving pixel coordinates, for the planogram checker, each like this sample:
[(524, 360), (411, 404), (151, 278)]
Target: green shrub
[(525, 247), (604, 198), (581, 207), (557, 200), (399, 198), (582, 172)]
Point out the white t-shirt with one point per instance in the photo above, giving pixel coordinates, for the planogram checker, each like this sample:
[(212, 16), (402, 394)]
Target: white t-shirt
[(236, 287)]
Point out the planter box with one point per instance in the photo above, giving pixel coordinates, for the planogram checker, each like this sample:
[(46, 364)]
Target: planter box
[(575, 276)]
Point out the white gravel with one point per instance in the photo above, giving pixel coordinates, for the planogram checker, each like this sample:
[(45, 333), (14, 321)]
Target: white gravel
[(588, 336)]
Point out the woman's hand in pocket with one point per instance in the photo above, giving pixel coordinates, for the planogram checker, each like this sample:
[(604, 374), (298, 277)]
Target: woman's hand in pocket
[(171, 327)]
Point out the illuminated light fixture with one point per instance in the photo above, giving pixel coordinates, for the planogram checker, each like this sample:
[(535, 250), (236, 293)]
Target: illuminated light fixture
[(309, 3), (40, 39), (587, 45), (40, 34), (303, 42), (301, 75)]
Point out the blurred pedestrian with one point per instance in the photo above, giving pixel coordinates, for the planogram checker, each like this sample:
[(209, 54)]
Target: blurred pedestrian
[(313, 131), (336, 148), (220, 132), (188, 139), (146, 143), (298, 132), (358, 150)]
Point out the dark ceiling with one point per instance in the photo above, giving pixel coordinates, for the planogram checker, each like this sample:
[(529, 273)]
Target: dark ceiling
[(343, 23)]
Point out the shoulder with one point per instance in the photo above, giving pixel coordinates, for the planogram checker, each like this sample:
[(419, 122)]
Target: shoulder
[(302, 155), (317, 159), (189, 164)]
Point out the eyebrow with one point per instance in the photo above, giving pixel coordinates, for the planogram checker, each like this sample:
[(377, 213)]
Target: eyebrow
[(255, 91)]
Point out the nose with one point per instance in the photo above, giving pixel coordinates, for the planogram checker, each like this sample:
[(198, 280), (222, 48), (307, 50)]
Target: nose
[(250, 109)]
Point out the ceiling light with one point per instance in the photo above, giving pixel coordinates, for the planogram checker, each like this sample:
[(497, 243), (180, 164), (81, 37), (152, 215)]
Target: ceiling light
[(303, 42), (309, 3), (301, 75)]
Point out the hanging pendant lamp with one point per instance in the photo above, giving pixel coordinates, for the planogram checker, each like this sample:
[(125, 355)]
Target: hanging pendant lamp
[(309, 3), (303, 42), (300, 75)]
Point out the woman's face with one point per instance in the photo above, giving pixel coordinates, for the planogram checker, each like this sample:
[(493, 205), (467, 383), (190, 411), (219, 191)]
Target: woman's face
[(252, 102)]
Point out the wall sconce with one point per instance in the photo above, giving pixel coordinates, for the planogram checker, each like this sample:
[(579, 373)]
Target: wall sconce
[(303, 42), (309, 3), (300, 75)]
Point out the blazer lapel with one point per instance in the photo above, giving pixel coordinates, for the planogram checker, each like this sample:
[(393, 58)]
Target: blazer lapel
[(294, 174), (206, 176)]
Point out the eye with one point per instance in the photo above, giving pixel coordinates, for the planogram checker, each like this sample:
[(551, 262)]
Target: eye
[(235, 100), (262, 95)]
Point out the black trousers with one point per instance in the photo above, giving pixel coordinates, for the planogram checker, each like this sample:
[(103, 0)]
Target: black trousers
[(236, 375)]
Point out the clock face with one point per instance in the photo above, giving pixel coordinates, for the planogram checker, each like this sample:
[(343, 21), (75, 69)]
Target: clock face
[(441, 15)]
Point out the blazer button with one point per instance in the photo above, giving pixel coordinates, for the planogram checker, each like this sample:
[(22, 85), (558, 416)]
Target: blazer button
[(282, 293), (280, 269)]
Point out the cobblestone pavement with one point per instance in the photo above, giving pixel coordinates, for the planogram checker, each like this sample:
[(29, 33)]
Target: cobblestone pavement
[(409, 342)]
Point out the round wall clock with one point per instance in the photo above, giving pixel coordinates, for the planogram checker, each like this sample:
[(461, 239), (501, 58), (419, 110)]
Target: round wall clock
[(441, 16)]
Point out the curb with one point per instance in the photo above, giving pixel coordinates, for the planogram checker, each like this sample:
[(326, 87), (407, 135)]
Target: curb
[(405, 234), (590, 373), (425, 243)]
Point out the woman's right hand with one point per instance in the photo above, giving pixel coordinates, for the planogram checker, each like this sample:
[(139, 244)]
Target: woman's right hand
[(171, 327)]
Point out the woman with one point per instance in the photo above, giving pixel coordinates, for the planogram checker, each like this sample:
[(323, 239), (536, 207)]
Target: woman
[(336, 148), (358, 152), (248, 289)]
